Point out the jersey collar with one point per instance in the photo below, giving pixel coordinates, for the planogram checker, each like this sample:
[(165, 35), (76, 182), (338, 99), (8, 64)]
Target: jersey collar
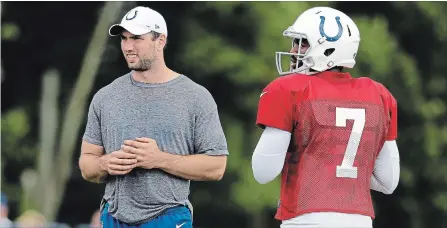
[(335, 76)]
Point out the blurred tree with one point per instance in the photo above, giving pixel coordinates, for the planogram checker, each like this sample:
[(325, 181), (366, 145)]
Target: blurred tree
[(45, 188), (16, 149)]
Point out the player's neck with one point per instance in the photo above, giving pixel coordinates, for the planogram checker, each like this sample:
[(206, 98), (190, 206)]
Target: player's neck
[(336, 69), (159, 73)]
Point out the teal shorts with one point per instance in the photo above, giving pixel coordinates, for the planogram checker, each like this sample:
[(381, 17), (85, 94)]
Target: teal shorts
[(176, 217)]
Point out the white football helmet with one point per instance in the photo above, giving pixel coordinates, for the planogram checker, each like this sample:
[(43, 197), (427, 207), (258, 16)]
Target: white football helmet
[(333, 40)]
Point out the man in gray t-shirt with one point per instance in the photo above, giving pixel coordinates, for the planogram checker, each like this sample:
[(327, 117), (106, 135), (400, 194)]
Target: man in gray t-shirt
[(149, 133)]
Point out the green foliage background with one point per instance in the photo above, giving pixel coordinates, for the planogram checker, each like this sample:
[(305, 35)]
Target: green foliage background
[(229, 48)]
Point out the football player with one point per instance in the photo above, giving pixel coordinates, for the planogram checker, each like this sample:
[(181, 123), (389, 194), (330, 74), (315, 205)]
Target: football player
[(331, 136)]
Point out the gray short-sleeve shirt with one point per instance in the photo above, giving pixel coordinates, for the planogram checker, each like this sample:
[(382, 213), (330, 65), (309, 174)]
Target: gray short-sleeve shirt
[(180, 115)]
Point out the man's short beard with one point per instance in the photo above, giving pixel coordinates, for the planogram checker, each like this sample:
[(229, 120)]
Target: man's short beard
[(144, 65)]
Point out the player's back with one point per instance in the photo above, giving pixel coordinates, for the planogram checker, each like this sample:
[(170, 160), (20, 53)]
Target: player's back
[(340, 124)]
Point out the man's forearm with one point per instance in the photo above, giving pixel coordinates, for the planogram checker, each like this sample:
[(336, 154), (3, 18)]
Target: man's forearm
[(198, 167), (90, 166)]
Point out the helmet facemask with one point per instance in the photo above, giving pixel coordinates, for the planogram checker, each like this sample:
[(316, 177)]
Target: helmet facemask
[(295, 62)]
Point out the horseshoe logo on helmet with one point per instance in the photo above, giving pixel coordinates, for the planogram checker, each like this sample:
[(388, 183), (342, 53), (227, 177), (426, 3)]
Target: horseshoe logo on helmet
[(333, 38), (134, 15)]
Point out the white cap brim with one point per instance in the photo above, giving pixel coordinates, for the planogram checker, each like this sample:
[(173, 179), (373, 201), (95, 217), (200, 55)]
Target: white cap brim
[(117, 29)]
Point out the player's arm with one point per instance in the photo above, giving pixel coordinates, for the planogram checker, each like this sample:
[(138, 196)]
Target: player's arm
[(275, 114), (210, 158), (206, 166), (91, 147), (197, 167), (269, 155), (90, 162), (94, 164), (386, 172)]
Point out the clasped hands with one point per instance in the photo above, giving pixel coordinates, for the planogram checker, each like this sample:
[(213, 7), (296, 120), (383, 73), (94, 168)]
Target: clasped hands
[(141, 152)]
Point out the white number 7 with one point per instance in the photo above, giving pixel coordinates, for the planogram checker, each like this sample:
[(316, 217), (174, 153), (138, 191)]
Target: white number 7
[(347, 169)]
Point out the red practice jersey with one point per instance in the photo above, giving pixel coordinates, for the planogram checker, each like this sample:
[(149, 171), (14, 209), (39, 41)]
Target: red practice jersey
[(339, 125)]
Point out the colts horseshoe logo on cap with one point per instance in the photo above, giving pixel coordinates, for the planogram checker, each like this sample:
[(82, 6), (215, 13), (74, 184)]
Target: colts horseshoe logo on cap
[(134, 15)]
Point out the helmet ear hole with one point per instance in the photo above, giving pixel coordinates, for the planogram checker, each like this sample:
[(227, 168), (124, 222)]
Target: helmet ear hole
[(329, 51)]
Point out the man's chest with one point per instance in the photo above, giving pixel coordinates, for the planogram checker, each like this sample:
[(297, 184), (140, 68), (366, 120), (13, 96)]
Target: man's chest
[(159, 119)]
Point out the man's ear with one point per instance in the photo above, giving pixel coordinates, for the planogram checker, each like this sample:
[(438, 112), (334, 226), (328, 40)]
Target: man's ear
[(162, 41)]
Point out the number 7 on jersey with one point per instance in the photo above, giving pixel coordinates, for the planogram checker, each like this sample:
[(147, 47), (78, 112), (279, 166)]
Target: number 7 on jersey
[(347, 169)]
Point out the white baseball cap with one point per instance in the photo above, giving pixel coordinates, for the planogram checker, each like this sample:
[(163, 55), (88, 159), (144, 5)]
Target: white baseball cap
[(140, 20)]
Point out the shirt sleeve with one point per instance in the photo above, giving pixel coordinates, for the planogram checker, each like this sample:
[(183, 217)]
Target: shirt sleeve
[(275, 108), (392, 130), (390, 104), (209, 137), (92, 132)]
